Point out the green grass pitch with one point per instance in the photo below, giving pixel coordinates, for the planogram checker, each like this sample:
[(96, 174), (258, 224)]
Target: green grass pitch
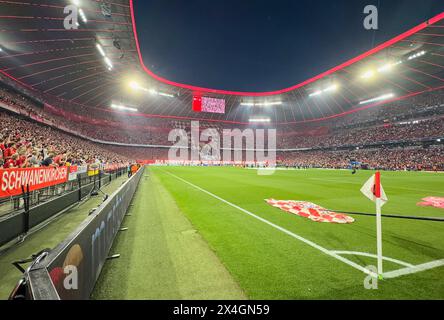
[(267, 263)]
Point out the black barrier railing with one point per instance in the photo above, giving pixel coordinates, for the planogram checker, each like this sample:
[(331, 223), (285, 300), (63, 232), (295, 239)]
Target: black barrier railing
[(12, 204), (70, 271), (36, 197), (26, 197), (32, 213)]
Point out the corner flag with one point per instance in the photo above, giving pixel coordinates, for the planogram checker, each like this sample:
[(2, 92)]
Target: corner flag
[(373, 190)]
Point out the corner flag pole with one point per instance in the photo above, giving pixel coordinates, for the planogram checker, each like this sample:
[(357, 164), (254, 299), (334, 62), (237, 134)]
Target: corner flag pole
[(378, 221)]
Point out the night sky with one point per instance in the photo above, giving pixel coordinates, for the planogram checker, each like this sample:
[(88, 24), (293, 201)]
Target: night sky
[(255, 45)]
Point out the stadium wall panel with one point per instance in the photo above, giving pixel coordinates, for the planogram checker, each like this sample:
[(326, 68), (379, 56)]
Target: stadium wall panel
[(81, 256), (11, 227), (44, 211), (14, 225)]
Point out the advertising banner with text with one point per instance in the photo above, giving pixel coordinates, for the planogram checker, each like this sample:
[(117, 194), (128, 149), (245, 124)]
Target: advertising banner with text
[(12, 180)]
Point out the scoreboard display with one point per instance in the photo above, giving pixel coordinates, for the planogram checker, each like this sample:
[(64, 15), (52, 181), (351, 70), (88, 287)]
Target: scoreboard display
[(209, 105)]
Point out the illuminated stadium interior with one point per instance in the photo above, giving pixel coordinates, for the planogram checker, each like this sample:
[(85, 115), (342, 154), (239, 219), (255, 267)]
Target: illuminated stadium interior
[(84, 103), (67, 67)]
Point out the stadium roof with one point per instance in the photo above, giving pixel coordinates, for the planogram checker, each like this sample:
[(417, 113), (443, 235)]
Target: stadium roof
[(93, 66)]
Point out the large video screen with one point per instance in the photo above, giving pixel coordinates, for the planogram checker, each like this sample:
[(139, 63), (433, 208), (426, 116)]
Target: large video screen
[(209, 105)]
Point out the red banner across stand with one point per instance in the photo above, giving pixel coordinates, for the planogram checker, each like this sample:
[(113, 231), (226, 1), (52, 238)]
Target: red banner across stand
[(12, 180)]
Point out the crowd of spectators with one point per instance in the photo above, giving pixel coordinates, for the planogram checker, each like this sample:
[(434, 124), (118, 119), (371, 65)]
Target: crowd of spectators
[(412, 130), (417, 118), (424, 105), (413, 158), (27, 144), (404, 131), (18, 102), (410, 158)]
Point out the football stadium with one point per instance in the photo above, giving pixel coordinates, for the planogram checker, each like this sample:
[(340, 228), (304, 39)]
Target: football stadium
[(132, 171)]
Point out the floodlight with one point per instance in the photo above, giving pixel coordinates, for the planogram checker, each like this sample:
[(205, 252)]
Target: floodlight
[(258, 120), (123, 108), (315, 93), (368, 74), (380, 98), (134, 85), (108, 62), (99, 47)]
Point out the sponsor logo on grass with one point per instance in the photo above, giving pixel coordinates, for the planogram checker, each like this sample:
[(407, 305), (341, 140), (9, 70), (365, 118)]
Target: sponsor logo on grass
[(437, 202), (310, 211), (210, 146)]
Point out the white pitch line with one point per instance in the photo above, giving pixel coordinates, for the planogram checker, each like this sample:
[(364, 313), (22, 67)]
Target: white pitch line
[(306, 241), (414, 269), (371, 255)]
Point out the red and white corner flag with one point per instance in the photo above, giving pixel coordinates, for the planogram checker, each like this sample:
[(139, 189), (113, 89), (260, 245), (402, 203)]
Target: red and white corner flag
[(373, 190)]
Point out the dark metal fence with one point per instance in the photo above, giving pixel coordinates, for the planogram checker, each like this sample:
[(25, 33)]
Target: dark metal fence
[(15, 203), (32, 208), (84, 253)]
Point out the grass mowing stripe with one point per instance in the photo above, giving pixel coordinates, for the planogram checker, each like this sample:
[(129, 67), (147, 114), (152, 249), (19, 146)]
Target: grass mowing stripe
[(162, 255), (306, 241)]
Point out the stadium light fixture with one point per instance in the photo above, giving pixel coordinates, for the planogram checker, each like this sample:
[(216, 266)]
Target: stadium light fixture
[(380, 98), (83, 16), (314, 94), (102, 52), (261, 104), (267, 104), (169, 95), (331, 88), (159, 93), (259, 120), (389, 66), (385, 68), (416, 55), (123, 108), (134, 85), (368, 74), (108, 63)]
